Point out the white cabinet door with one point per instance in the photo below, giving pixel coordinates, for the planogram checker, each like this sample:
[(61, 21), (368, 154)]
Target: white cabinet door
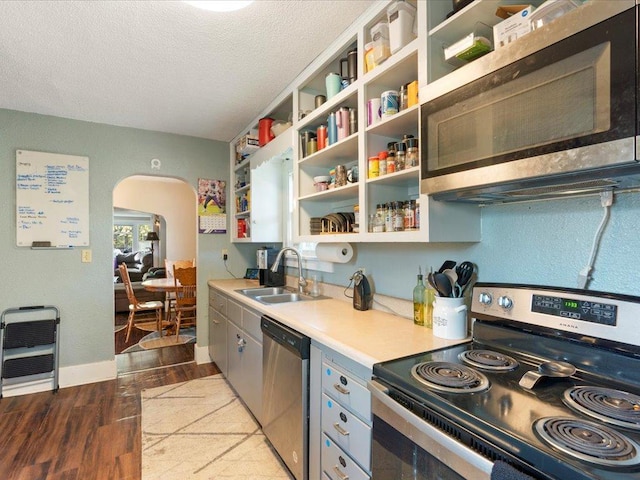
[(218, 340), (252, 376), (234, 356), (245, 368)]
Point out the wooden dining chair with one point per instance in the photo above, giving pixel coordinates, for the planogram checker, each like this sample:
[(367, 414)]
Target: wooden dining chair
[(170, 297), (185, 283), (140, 309)]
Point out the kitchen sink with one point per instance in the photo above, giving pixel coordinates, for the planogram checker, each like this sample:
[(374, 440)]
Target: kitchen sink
[(275, 295), (256, 292), (283, 298)]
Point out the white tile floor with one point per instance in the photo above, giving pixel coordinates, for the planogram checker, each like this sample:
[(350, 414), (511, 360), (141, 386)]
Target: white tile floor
[(201, 430)]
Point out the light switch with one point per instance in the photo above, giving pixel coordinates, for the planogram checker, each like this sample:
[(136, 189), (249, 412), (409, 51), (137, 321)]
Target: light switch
[(86, 256)]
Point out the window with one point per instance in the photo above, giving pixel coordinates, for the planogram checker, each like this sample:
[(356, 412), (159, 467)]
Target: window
[(130, 231)]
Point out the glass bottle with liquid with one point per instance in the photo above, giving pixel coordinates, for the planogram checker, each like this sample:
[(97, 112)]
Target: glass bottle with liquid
[(429, 297), (419, 300)]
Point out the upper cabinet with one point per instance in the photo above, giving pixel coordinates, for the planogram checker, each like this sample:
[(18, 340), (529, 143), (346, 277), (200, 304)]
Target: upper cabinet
[(355, 127)]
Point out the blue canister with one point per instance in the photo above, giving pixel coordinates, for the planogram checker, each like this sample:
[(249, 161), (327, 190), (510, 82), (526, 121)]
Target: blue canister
[(389, 103), (332, 129)]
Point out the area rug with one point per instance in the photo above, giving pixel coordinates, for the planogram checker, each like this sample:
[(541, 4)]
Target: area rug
[(154, 340), (200, 429)]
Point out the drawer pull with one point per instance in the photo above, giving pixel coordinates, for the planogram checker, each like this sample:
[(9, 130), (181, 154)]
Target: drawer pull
[(340, 430), (343, 476), (341, 389)]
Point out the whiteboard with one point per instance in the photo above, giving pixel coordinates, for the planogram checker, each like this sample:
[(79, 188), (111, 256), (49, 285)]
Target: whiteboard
[(52, 199)]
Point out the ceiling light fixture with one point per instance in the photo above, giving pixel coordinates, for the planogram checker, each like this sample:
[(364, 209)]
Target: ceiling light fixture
[(219, 5)]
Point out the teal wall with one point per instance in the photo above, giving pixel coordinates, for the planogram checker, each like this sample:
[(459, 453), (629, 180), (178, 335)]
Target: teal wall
[(84, 291), (544, 243)]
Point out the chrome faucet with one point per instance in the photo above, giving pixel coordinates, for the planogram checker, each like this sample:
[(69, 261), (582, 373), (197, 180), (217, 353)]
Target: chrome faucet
[(302, 283)]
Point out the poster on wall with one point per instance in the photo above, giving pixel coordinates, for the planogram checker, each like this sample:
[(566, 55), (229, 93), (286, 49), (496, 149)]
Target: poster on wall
[(212, 206)]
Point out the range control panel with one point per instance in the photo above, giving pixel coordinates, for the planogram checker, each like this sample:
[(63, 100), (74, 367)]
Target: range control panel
[(594, 314), (571, 308)]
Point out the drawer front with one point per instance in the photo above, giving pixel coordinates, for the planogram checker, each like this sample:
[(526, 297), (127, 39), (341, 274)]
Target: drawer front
[(251, 323), (218, 302), (343, 387), (348, 431), (234, 312), (337, 464)]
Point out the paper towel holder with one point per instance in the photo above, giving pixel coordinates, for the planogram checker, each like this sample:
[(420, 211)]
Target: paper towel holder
[(334, 252)]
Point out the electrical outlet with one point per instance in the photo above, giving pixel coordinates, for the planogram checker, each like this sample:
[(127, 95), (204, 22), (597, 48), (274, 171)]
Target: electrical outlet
[(225, 254), (86, 256), (362, 269)]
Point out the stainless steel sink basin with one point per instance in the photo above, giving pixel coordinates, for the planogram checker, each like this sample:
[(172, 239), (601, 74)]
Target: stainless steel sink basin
[(256, 292), (274, 295), (283, 298)]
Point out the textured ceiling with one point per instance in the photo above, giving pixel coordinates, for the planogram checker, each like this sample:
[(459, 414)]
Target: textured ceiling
[(160, 65)]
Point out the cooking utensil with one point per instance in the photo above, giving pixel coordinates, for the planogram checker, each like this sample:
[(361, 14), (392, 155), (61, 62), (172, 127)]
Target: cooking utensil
[(554, 369), (465, 272), (447, 264), (452, 275), (442, 284)]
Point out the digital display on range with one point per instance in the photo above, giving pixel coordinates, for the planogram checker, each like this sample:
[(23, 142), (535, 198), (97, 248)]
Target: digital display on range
[(572, 309)]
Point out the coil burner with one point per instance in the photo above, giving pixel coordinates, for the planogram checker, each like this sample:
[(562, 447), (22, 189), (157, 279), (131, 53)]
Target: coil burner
[(588, 441), (488, 360), (449, 377), (611, 406)]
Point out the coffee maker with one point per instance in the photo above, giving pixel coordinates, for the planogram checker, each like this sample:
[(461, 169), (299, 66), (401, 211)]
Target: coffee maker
[(265, 258)]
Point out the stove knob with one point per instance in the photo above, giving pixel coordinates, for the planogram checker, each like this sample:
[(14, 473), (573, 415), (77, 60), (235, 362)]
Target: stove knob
[(485, 298), (505, 302)]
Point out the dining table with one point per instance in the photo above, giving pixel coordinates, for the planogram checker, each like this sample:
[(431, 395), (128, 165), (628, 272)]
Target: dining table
[(160, 285), (166, 285)]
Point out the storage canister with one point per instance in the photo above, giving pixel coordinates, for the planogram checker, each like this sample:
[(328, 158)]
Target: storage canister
[(321, 136), (401, 16), (389, 103), (374, 167), (380, 39)]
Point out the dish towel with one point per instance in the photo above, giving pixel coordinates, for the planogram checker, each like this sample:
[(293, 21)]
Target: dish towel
[(504, 471)]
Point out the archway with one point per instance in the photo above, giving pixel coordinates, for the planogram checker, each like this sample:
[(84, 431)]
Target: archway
[(170, 205)]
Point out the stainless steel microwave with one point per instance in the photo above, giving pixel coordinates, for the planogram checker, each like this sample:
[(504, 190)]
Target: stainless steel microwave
[(553, 113)]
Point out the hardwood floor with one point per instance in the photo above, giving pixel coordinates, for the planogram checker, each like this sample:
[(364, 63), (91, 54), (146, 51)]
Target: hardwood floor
[(86, 432)]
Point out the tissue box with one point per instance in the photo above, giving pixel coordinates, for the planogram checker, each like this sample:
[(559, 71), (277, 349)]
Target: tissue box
[(515, 25)]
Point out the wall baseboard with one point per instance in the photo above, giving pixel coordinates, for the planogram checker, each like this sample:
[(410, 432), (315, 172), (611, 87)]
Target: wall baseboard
[(201, 354), (68, 377)]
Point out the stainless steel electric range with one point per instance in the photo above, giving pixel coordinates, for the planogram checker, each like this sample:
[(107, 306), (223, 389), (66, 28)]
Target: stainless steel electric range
[(548, 388)]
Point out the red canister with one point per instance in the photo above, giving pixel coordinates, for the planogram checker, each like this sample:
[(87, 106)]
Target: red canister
[(264, 131), (321, 135)]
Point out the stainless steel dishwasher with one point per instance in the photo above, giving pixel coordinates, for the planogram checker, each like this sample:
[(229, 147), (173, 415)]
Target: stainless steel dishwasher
[(285, 394)]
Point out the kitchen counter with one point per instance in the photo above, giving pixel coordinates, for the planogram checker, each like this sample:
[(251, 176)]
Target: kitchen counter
[(366, 337)]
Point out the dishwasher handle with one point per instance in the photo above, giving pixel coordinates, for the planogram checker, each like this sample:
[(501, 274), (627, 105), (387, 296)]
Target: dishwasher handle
[(294, 341)]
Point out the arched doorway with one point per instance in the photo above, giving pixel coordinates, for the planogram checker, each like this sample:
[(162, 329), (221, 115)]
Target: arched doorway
[(166, 206)]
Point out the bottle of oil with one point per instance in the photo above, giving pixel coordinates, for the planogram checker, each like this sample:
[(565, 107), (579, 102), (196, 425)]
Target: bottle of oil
[(429, 297), (419, 300)]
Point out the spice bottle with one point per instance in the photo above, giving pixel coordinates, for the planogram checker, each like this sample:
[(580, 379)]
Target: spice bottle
[(391, 157), (412, 153), (401, 151), (389, 217), (419, 300), (382, 156)]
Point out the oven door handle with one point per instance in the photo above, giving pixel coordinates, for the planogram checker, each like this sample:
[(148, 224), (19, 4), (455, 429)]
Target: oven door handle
[(462, 459)]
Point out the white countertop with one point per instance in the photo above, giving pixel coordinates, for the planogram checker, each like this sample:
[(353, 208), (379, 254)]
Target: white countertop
[(366, 337)]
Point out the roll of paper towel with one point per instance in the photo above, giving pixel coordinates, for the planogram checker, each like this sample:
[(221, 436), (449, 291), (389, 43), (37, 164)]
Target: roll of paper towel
[(334, 252)]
